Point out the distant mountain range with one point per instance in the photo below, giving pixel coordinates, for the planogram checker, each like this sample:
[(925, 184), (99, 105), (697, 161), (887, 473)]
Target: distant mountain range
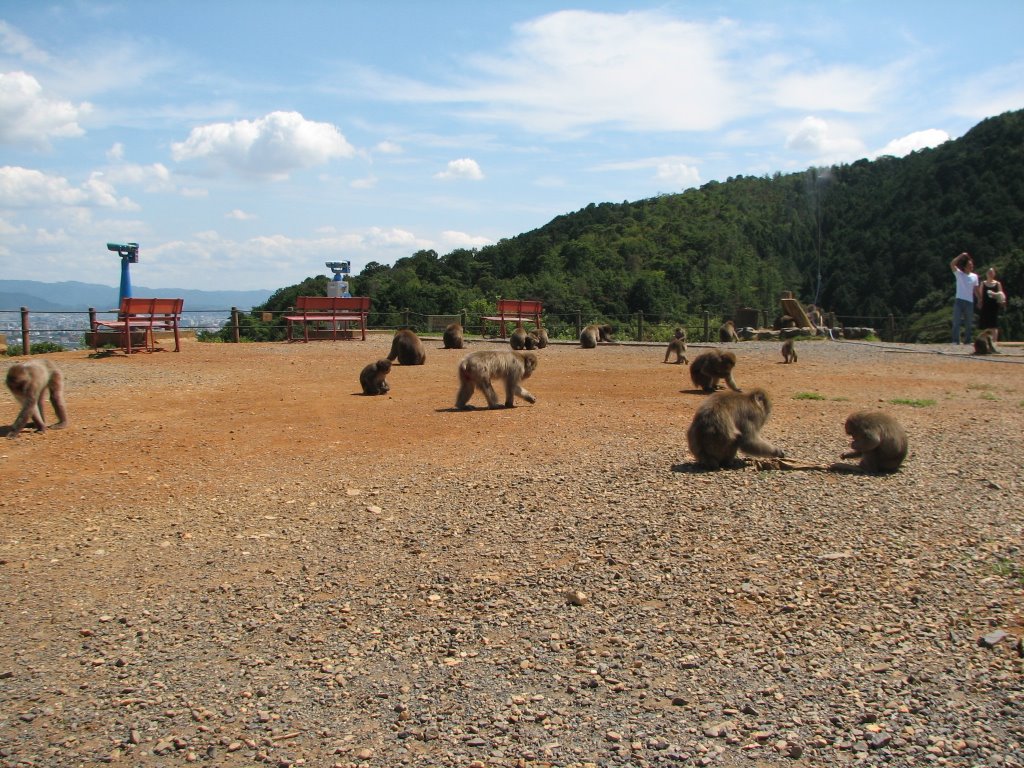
[(73, 296)]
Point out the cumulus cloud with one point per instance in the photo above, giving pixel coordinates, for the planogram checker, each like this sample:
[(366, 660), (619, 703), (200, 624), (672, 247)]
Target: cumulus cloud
[(463, 168), (816, 138), (678, 174), (454, 239), (29, 117), (25, 187), (912, 142), (389, 148), (272, 146), (239, 215), (155, 177)]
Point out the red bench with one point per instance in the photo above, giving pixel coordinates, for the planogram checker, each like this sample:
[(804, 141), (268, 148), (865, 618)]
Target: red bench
[(146, 315), (328, 309), (516, 311)]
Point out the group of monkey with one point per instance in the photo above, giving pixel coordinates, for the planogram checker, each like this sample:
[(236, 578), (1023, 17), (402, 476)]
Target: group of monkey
[(725, 423), (731, 421)]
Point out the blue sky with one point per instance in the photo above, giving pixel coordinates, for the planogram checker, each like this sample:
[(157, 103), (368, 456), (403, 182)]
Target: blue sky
[(243, 144)]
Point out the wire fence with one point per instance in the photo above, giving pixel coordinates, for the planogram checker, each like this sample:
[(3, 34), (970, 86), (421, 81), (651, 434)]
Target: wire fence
[(49, 330)]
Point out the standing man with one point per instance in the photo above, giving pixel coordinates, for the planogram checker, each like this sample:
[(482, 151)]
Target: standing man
[(963, 305)]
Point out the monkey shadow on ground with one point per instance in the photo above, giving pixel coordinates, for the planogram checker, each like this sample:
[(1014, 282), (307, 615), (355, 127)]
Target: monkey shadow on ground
[(471, 408), (693, 468)]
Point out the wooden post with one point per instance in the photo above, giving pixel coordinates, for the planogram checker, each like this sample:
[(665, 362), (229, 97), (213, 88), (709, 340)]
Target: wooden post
[(639, 325), (707, 326), (405, 317), (892, 328), (25, 346), (234, 324), (579, 323)]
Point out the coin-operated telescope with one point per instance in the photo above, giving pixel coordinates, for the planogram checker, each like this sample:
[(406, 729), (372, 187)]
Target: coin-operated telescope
[(339, 284), (129, 253)]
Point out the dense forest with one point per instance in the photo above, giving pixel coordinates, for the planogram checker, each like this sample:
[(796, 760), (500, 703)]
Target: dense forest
[(865, 241)]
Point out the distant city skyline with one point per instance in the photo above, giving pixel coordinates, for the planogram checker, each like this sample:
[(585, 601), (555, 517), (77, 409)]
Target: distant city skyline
[(243, 145)]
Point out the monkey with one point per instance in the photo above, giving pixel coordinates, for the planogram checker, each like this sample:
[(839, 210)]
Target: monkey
[(478, 368), (878, 440), (728, 422), (727, 332), (594, 333), (784, 321), (372, 380), (453, 337), (542, 338), (708, 368), (677, 345), (517, 339), (532, 341), (407, 347), (29, 382), (788, 351), (983, 345)]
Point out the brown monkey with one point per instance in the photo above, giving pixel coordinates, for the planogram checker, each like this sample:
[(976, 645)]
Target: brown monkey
[(788, 351), (542, 338), (372, 380), (589, 337), (728, 422), (478, 368), (878, 440), (677, 345), (727, 332), (604, 333), (532, 342), (983, 345), (453, 337), (407, 347), (29, 382), (517, 339), (708, 368)]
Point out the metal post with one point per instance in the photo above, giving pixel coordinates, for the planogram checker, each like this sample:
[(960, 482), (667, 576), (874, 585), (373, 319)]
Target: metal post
[(234, 324), (25, 347)]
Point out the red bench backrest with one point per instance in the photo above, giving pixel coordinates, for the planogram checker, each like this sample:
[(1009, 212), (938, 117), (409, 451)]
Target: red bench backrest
[(519, 307), (138, 306), (333, 303)]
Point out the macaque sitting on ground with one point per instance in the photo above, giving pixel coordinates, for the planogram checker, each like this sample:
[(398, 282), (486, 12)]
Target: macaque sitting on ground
[(453, 337), (372, 380), (29, 382), (878, 440), (728, 422), (407, 348)]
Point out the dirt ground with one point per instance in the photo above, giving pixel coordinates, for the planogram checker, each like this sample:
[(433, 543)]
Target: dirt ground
[(143, 500)]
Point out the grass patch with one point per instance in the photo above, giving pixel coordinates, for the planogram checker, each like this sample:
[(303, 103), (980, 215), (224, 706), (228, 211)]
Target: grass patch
[(913, 402), (1007, 569), (987, 396), (809, 396)]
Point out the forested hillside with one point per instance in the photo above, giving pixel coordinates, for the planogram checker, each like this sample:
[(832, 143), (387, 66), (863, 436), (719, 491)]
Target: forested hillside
[(862, 240)]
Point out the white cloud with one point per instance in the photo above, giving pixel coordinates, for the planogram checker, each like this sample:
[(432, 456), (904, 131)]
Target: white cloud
[(454, 239), (239, 215), (904, 145), (817, 138), (13, 42), (153, 178), (369, 182), (839, 88), (463, 168), (116, 152), (998, 90), (25, 187), (272, 146), (678, 174), (29, 117), (389, 148)]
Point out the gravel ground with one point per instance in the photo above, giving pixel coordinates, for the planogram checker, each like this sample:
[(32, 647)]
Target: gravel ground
[(231, 558)]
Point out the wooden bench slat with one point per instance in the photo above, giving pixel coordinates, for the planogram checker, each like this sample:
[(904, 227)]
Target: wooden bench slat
[(332, 309), (143, 313), (518, 311)]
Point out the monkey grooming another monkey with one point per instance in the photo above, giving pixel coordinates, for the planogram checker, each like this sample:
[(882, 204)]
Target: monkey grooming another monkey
[(594, 333), (727, 332), (517, 339), (453, 337), (728, 422), (477, 369), (788, 351), (372, 380), (879, 441), (29, 381), (542, 338), (407, 348), (677, 345), (708, 368)]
